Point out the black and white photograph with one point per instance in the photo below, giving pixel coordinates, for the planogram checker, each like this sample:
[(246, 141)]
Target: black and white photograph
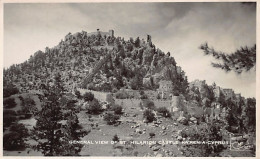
[(129, 79)]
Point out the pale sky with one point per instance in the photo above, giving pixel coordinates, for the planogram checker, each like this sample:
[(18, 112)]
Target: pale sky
[(176, 27)]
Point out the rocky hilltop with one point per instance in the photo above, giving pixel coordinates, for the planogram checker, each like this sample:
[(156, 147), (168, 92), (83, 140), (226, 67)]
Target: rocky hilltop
[(98, 61)]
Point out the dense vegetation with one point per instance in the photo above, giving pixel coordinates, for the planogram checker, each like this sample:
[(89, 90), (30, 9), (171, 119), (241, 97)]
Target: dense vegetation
[(57, 124)]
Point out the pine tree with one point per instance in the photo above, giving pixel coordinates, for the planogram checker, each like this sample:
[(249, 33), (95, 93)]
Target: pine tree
[(50, 133), (243, 59)]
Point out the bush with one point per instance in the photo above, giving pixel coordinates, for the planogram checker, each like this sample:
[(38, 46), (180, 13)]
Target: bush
[(115, 138), (106, 87), (144, 96), (111, 118), (176, 94), (164, 112), (88, 96), (117, 109), (209, 132), (14, 140), (151, 134), (19, 128), (149, 104), (9, 103), (89, 86), (10, 113), (78, 95), (21, 98), (8, 120), (10, 90), (29, 106), (94, 107), (121, 95), (149, 115)]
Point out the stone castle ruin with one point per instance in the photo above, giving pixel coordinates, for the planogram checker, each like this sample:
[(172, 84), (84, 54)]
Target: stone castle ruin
[(103, 34), (162, 97)]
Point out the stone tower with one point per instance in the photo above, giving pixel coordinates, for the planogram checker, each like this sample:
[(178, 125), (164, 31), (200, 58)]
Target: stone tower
[(149, 38), (111, 33), (98, 32)]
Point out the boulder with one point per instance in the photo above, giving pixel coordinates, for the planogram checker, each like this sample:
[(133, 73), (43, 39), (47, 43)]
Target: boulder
[(138, 131), (156, 148), (179, 132), (179, 138), (147, 82), (194, 120), (182, 120)]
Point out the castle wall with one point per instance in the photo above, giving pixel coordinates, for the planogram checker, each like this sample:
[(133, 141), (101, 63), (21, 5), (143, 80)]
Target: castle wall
[(172, 105), (101, 96), (128, 103), (194, 110)]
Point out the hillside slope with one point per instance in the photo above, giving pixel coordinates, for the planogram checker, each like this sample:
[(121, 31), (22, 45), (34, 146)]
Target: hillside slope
[(98, 61)]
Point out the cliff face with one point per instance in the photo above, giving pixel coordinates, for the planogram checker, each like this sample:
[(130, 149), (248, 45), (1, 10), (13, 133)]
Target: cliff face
[(82, 60)]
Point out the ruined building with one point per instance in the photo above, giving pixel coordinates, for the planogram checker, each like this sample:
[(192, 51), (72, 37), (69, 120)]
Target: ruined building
[(98, 32), (149, 39), (165, 86), (229, 94)]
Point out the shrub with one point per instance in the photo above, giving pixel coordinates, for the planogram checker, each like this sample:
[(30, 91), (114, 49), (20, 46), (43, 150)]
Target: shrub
[(9, 103), (94, 107), (164, 112), (20, 128), (12, 141), (149, 104), (88, 96), (209, 132), (106, 87), (71, 105), (8, 120), (78, 95), (158, 96), (117, 109), (111, 118), (29, 106), (176, 94), (15, 139), (121, 95), (21, 98), (115, 138), (10, 90), (91, 86), (144, 96), (149, 115), (151, 134), (10, 113)]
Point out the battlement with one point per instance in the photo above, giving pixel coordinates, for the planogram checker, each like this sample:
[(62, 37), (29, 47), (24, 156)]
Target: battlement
[(109, 33), (229, 93)]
